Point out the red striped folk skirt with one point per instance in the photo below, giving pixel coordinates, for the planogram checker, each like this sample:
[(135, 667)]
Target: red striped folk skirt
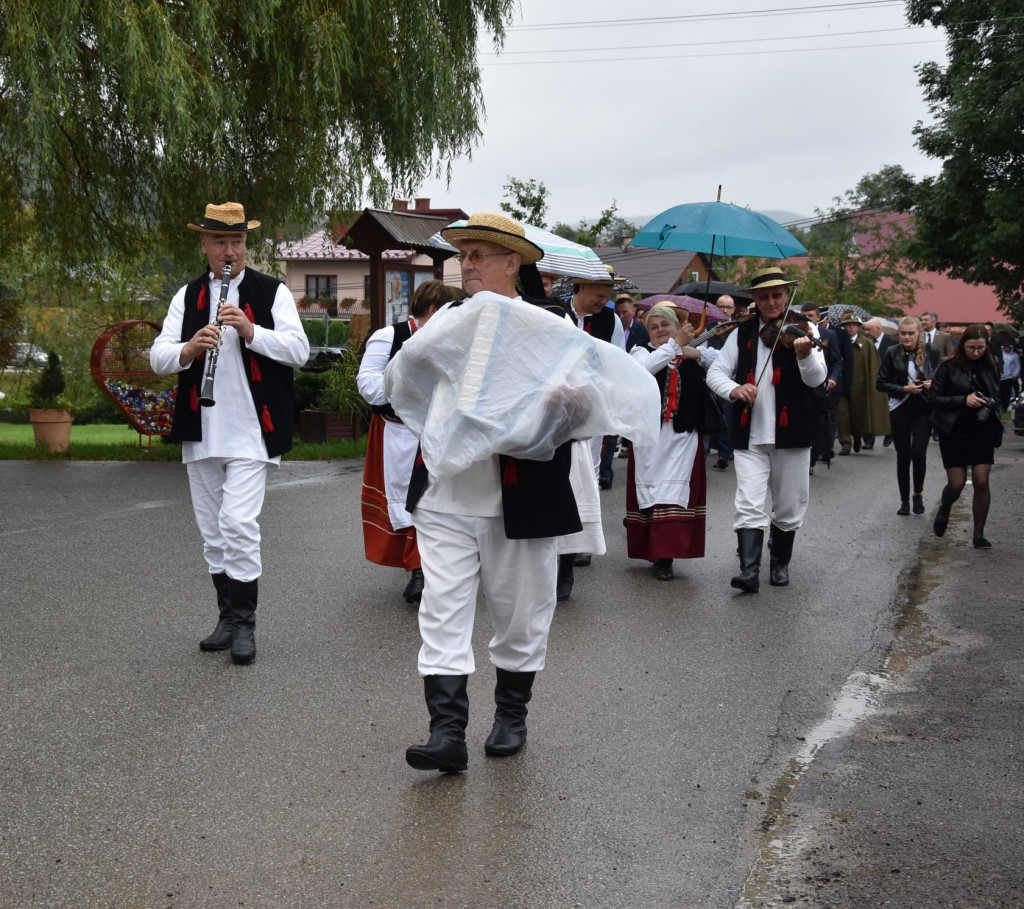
[(383, 544), (667, 531)]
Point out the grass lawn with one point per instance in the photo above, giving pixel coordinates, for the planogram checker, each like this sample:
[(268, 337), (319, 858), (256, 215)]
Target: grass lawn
[(109, 442)]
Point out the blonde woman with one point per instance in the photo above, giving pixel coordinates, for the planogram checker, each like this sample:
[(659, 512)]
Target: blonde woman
[(906, 376), (666, 484)]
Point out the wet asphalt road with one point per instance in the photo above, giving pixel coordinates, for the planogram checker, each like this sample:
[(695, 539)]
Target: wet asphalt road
[(136, 771)]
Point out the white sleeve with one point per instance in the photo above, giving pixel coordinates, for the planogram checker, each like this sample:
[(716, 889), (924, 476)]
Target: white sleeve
[(164, 354), (375, 360), (286, 342), (619, 334), (720, 373)]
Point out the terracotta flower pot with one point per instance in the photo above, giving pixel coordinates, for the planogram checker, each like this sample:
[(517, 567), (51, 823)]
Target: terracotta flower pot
[(51, 428)]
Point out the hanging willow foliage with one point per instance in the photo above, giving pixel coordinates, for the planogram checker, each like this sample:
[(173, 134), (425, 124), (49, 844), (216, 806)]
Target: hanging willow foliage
[(120, 120)]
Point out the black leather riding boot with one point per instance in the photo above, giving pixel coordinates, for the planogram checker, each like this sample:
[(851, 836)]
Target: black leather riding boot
[(244, 595), (448, 705), (511, 695), (221, 637), (780, 549), (563, 586), (750, 541), (414, 589)]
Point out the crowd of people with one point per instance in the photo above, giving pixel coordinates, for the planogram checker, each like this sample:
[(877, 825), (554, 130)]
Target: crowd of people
[(772, 396)]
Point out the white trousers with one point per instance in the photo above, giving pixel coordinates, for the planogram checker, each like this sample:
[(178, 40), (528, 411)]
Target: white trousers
[(785, 472), (463, 554), (227, 498)]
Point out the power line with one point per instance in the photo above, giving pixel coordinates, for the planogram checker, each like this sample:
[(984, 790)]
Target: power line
[(731, 41), (709, 17), (691, 56)]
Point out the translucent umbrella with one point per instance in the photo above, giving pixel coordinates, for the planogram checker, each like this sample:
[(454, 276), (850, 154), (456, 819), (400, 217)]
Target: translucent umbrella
[(561, 256)]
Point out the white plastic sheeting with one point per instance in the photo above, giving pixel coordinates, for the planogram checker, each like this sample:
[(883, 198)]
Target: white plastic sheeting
[(500, 376)]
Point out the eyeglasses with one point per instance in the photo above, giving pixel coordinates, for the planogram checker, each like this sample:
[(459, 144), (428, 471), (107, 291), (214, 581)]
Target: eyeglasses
[(475, 257)]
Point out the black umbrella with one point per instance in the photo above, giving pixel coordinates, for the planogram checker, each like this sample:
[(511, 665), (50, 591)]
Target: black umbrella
[(712, 290)]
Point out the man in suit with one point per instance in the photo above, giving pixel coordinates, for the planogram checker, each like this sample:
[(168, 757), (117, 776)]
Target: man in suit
[(634, 331), (942, 342), (873, 329), (828, 392)]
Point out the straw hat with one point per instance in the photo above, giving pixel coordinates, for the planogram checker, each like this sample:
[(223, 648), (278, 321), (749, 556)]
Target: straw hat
[(769, 277), (494, 228), (228, 218)]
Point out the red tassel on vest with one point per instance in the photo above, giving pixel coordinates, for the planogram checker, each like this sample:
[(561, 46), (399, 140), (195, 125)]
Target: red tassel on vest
[(254, 369), (745, 416), (751, 378), (511, 473), (248, 314), (201, 302), (268, 424), (776, 375), (784, 417), (193, 398)]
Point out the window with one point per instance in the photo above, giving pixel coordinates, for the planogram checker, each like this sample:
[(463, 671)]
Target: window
[(318, 286)]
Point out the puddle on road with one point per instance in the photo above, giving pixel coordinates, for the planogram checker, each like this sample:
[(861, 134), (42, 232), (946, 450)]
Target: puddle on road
[(858, 699)]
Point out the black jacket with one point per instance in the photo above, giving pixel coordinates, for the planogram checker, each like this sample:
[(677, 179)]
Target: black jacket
[(894, 373), (950, 388)]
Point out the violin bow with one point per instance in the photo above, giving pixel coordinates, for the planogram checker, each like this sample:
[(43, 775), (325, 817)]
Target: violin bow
[(771, 353)]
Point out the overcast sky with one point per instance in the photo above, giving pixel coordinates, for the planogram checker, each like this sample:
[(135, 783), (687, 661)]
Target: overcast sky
[(653, 103)]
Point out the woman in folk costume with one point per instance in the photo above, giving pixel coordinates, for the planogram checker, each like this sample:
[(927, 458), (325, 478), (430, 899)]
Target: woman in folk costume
[(906, 376), (389, 537), (666, 484)]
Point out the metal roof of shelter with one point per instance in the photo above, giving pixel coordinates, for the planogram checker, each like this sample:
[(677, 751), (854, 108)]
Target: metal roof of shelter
[(654, 271)]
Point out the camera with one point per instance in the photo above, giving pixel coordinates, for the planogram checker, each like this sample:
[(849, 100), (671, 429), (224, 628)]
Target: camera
[(988, 406)]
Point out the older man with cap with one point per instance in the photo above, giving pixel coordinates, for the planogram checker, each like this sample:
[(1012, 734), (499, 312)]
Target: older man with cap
[(490, 526), (229, 444), (770, 375)]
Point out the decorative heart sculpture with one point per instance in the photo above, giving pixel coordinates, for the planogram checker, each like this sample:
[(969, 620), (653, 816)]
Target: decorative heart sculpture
[(119, 365)]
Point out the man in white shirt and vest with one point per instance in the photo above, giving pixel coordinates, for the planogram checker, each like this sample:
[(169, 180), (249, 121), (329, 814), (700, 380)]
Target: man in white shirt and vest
[(491, 527), (228, 444)]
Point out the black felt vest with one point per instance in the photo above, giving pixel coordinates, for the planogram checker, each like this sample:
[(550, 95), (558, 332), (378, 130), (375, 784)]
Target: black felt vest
[(271, 383), (794, 401), (601, 325)]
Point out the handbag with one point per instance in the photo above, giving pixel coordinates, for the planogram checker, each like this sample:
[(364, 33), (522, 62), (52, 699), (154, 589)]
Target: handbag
[(714, 414)]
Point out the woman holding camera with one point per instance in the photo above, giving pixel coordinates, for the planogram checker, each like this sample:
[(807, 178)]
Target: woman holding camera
[(906, 376), (964, 398)]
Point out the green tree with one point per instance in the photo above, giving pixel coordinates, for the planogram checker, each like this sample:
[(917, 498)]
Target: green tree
[(528, 201), (117, 121), (860, 249), (970, 219)]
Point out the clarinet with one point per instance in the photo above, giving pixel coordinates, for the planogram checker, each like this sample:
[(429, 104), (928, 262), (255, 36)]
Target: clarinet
[(206, 397)]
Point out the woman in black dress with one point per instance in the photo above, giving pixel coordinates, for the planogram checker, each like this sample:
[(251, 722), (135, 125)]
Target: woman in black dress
[(964, 398), (906, 377)]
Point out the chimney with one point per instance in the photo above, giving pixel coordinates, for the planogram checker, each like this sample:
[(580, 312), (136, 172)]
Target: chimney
[(400, 205), (422, 205)]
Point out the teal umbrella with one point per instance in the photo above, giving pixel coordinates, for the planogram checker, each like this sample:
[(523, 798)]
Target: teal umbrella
[(718, 229)]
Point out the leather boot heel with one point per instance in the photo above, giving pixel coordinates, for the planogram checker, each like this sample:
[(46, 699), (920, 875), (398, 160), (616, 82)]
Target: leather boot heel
[(244, 596), (780, 546)]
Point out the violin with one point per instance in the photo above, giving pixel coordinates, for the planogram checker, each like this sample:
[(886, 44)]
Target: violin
[(787, 328)]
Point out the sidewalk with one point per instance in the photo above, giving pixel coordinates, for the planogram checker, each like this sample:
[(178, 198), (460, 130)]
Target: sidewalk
[(922, 806)]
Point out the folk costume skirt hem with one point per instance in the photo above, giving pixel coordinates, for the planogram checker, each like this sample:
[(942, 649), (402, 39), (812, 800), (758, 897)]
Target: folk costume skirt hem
[(667, 531), (382, 543)]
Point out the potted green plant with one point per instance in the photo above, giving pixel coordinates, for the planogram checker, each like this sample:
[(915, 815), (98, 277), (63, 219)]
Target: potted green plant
[(341, 410), (305, 301), (49, 410)]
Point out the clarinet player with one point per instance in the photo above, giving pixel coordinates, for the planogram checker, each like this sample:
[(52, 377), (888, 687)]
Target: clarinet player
[(229, 445)]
